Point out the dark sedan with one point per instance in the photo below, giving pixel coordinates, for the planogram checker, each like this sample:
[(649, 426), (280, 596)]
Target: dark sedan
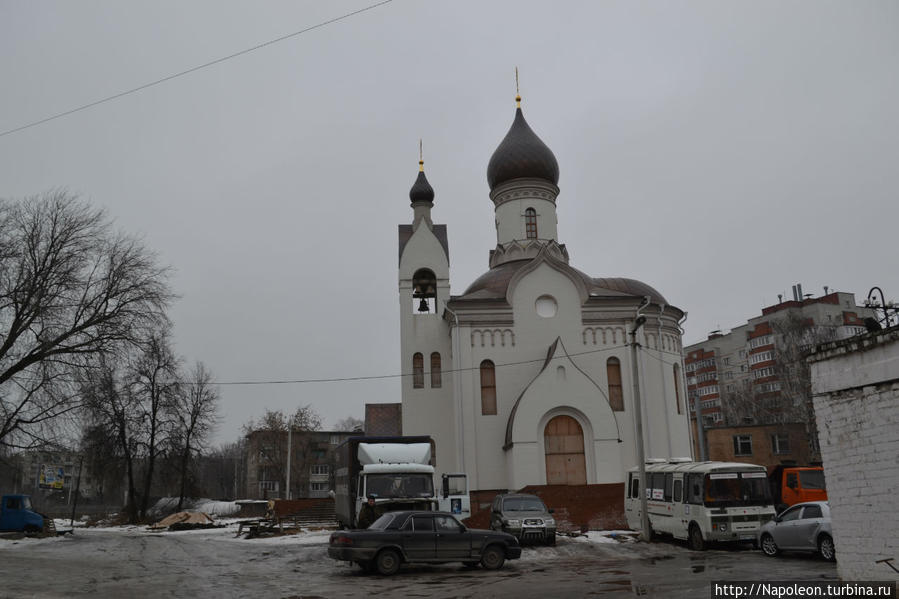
[(421, 537)]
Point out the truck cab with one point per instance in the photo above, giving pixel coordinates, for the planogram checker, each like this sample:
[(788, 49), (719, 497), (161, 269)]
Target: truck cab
[(17, 515), (793, 484)]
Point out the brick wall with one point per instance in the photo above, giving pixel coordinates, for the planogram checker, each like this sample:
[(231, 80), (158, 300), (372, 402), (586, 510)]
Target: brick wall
[(721, 444), (857, 430), (855, 386)]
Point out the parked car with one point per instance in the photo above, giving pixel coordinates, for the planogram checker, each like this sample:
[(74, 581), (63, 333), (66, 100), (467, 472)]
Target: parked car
[(523, 516), (421, 537), (802, 527)]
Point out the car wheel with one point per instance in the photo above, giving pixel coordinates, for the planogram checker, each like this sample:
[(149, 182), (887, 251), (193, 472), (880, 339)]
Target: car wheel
[(697, 543), (493, 558), (387, 562), (826, 548), (769, 547)]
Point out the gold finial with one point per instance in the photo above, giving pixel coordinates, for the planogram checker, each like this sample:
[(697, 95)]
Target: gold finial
[(517, 93), (421, 160)]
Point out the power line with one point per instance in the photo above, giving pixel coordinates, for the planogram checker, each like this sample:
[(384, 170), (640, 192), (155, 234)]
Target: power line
[(394, 376), (194, 69)]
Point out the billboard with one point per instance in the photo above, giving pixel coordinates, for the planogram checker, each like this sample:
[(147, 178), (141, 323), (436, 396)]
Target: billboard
[(51, 477)]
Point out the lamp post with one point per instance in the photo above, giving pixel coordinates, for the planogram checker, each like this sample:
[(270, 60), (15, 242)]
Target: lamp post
[(638, 416)]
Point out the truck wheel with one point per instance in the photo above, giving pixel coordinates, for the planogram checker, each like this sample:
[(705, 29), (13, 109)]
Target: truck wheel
[(387, 562), (32, 530), (697, 543), (493, 558)]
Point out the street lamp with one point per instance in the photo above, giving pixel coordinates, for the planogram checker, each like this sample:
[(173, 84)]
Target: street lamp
[(638, 416)]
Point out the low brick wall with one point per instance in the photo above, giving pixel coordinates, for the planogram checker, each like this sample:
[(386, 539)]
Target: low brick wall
[(577, 508)]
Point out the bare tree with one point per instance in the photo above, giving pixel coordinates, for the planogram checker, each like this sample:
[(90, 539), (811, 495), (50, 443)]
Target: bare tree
[(153, 382), (194, 412), (71, 288), (349, 424), (267, 438)]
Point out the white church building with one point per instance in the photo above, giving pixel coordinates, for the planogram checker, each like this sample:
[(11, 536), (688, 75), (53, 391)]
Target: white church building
[(526, 376)]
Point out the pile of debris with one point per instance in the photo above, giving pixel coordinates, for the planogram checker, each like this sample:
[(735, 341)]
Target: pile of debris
[(185, 521)]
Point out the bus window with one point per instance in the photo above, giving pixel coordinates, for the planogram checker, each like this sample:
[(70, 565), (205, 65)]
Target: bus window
[(694, 489), (669, 483), (635, 486), (658, 484), (724, 489), (678, 487)]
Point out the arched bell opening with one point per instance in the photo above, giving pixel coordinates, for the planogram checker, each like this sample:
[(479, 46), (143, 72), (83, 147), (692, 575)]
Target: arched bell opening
[(424, 292)]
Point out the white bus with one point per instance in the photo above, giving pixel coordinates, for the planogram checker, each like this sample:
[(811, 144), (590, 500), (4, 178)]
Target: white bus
[(701, 501)]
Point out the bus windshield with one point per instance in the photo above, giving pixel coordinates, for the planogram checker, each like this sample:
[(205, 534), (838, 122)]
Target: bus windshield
[(728, 489)]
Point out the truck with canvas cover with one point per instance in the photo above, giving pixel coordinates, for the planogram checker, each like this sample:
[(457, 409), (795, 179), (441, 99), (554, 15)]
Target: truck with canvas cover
[(398, 472)]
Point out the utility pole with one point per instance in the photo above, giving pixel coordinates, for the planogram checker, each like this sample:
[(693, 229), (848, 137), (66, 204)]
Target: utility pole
[(638, 416), (289, 451)]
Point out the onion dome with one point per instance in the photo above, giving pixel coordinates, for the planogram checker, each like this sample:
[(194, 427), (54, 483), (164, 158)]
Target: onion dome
[(521, 155), (421, 190)]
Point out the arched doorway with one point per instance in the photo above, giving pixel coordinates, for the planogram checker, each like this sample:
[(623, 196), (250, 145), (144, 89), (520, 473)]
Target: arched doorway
[(563, 440)]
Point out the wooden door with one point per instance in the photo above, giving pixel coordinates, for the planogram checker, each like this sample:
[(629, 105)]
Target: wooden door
[(563, 441)]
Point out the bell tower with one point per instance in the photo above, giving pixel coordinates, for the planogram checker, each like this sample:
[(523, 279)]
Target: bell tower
[(425, 348)]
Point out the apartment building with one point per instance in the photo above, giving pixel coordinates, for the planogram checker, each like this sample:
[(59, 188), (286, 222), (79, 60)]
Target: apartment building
[(752, 384)]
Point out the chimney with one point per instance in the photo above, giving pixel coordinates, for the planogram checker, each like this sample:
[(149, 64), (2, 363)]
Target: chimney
[(825, 290), (795, 294), (799, 289)]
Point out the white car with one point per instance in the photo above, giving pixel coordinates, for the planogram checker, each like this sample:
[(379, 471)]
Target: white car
[(802, 527)]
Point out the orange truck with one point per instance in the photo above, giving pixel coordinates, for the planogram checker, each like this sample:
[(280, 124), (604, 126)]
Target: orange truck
[(794, 484)]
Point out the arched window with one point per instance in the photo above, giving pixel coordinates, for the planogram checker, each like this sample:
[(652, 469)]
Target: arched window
[(677, 388), (616, 398), (436, 379), (418, 371), (424, 291), (488, 388), (530, 223)]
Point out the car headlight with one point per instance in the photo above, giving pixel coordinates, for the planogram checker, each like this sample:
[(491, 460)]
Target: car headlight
[(549, 522), (513, 523)]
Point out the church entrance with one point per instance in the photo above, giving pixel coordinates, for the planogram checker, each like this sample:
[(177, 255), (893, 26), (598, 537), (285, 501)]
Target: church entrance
[(564, 443)]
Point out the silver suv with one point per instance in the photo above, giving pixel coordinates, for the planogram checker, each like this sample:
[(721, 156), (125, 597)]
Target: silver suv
[(523, 516)]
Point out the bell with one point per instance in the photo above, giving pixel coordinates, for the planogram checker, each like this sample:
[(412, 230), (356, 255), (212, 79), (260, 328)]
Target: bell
[(423, 305)]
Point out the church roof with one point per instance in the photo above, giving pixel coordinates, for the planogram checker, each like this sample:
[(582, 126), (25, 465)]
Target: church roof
[(421, 190), (521, 154), (493, 284)]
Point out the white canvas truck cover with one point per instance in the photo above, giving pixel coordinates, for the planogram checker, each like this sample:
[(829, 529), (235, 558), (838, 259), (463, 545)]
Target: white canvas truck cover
[(394, 453)]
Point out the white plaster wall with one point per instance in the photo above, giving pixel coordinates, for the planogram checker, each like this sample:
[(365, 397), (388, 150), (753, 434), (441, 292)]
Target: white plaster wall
[(427, 333), (511, 224)]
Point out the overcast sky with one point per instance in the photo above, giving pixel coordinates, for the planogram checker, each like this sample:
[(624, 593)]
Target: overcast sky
[(719, 151)]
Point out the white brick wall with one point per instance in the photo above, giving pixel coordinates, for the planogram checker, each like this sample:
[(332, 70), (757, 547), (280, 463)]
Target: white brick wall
[(858, 429)]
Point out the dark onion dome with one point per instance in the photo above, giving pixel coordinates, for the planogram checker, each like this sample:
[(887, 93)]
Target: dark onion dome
[(421, 190), (520, 155)]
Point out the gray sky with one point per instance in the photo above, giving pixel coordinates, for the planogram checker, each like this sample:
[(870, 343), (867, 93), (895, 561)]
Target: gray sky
[(719, 151)]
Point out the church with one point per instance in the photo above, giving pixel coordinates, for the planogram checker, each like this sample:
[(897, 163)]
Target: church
[(527, 376)]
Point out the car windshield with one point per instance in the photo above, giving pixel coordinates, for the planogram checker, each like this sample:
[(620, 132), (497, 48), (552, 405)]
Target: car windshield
[(811, 479), (382, 523), (723, 489), (400, 485), (523, 504)]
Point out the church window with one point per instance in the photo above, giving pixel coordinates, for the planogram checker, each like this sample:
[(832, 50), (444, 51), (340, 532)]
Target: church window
[(418, 371), (530, 223), (677, 388), (436, 375), (488, 388), (546, 306), (424, 291), (616, 398)]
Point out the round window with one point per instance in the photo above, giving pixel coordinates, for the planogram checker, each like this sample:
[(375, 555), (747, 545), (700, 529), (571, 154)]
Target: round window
[(546, 306)]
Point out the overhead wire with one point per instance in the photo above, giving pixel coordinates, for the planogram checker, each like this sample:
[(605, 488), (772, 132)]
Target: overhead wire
[(193, 69)]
